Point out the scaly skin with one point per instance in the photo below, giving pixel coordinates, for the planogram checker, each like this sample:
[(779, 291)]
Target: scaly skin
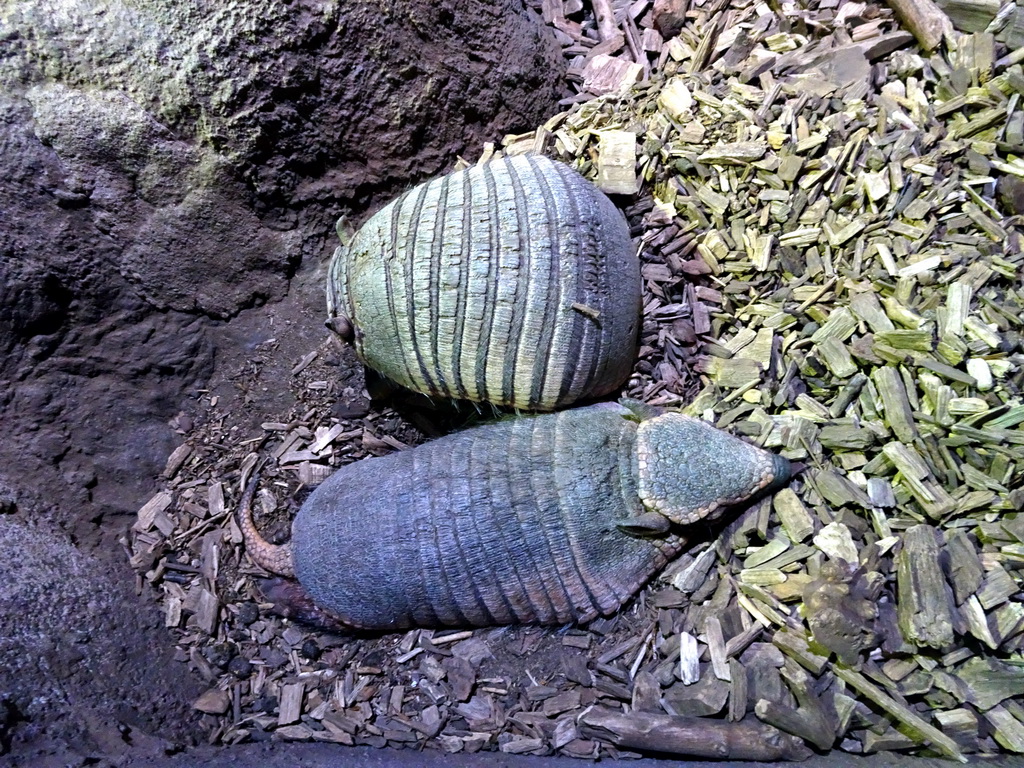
[(514, 283)]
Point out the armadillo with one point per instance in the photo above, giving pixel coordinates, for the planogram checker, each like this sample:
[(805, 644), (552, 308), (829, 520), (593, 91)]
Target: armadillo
[(548, 519), (514, 283)]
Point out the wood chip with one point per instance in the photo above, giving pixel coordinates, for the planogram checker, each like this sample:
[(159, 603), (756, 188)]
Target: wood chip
[(290, 703), (616, 162), (692, 736), (925, 612), (213, 702)]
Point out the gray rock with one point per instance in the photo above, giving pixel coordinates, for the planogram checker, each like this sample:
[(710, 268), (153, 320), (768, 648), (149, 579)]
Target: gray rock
[(312, 104), (191, 240), (69, 663)]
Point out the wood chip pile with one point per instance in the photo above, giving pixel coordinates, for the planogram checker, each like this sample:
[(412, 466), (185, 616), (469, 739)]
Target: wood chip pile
[(828, 219)]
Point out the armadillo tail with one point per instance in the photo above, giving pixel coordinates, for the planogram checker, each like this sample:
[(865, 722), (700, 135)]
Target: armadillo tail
[(276, 558)]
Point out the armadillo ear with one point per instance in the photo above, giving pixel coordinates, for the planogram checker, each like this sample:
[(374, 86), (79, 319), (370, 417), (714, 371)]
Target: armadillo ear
[(646, 525), (688, 470)]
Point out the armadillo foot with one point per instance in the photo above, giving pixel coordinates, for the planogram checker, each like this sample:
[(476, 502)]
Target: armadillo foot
[(292, 601)]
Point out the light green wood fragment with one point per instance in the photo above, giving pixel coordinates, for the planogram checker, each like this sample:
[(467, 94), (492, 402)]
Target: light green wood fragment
[(763, 554), (947, 371), (1007, 729), (999, 587), (837, 238), (837, 489), (718, 203), (983, 500), (836, 541), (1011, 418), (958, 306), (794, 554), (916, 477), (895, 403), (802, 236), (743, 337), (837, 358), (981, 331), (760, 349), (847, 437), (847, 395), (916, 340), (789, 167), (966, 406), (977, 622), (780, 321), (763, 577), (867, 307), (734, 373), (796, 520), (794, 644), (735, 153), (991, 436), (811, 408), (1009, 620), (841, 325), (951, 349), (975, 478), (915, 726), (901, 315), (924, 610)]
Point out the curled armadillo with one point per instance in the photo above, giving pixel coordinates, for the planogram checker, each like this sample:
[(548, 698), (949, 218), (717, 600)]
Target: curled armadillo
[(513, 282), (549, 519)]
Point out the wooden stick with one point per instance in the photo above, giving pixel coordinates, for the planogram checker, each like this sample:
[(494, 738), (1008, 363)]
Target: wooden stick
[(606, 26), (708, 42), (695, 736), (925, 20), (924, 609), (815, 718)]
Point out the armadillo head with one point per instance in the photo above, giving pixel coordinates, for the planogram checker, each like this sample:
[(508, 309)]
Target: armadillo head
[(689, 470)]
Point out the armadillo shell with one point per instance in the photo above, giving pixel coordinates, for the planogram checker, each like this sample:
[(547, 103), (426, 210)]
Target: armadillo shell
[(514, 283), (507, 523)]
